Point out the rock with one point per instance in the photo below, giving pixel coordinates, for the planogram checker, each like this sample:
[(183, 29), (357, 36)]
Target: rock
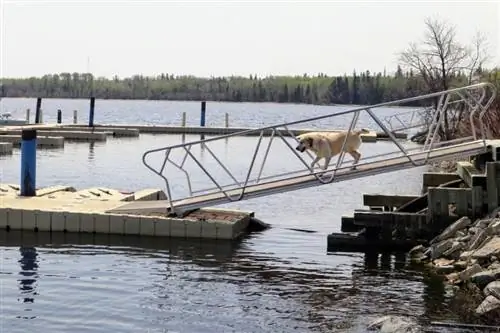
[(393, 324), (469, 272), (452, 229), (485, 277), (453, 278), (490, 303), (453, 252), (482, 224), (464, 239), (493, 288), (466, 255), (439, 248), (477, 239), (473, 230), (494, 266), (494, 259), (460, 265), (494, 228), (443, 266), (459, 234), (491, 248), (417, 251)]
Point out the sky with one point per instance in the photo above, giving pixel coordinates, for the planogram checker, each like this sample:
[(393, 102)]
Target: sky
[(219, 38)]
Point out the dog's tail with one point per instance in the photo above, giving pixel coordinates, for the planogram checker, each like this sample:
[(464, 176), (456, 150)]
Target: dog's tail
[(363, 130)]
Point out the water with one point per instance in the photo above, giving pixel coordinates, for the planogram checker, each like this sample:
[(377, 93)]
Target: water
[(275, 281)]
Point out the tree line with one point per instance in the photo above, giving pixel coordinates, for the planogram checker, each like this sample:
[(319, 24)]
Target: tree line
[(358, 88)]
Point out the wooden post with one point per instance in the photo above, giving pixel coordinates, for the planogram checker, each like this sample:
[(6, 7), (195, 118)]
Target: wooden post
[(40, 116), (75, 116), (38, 110), (183, 122), (59, 116), (28, 115), (227, 120), (492, 185)]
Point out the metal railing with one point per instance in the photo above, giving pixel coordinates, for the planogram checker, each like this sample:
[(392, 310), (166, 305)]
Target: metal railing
[(448, 111)]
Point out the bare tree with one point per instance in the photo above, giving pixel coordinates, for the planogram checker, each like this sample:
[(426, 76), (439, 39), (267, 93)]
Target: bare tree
[(439, 57)]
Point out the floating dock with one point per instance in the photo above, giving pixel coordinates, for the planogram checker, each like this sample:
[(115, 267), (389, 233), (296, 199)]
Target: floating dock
[(164, 129), (6, 148), (64, 209)]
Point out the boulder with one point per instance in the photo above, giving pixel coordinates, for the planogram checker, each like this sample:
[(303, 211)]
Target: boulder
[(469, 272), (459, 234), (393, 324), (477, 239), (485, 277), (494, 228), (493, 288), (490, 303), (460, 265), (452, 229), (466, 255), (473, 230), (491, 248), (482, 224), (443, 266), (417, 251), (454, 251), (439, 248)]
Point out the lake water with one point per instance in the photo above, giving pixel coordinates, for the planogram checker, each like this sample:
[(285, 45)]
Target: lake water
[(275, 281)]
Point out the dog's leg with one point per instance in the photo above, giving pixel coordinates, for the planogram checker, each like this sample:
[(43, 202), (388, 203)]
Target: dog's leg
[(356, 156), (327, 162), (316, 160)]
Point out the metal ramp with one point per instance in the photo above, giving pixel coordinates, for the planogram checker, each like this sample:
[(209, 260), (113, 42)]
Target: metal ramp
[(461, 108)]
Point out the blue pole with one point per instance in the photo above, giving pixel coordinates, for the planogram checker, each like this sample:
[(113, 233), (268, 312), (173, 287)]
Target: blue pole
[(28, 163), (202, 116), (91, 113), (59, 116)]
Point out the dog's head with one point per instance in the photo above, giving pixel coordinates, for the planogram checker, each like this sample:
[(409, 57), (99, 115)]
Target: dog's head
[(304, 143)]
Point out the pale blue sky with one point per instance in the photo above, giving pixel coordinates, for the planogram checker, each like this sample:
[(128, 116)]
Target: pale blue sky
[(206, 38)]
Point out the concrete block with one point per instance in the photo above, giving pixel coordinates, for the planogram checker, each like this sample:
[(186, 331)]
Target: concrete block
[(3, 218), (208, 230), (101, 223), (132, 225), (15, 219), (29, 220), (58, 221), (224, 230), (87, 222), (147, 227), (163, 227), (43, 220), (73, 221), (193, 229), (116, 224), (177, 228)]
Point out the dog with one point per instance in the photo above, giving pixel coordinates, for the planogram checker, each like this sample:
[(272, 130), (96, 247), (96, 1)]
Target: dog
[(329, 144)]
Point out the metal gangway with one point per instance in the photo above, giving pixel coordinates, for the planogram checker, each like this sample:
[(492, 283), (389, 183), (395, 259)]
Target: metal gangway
[(456, 109)]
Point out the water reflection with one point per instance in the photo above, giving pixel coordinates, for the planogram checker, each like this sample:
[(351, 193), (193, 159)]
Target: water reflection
[(90, 156), (192, 272), (29, 267)]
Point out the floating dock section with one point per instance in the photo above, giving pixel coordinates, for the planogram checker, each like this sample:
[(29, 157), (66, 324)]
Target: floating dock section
[(64, 209)]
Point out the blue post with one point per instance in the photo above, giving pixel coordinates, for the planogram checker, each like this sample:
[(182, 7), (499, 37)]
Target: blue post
[(91, 113), (59, 116), (28, 163), (202, 116)]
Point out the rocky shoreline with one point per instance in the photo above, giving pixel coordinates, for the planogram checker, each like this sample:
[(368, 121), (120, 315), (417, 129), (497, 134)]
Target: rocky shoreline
[(467, 254)]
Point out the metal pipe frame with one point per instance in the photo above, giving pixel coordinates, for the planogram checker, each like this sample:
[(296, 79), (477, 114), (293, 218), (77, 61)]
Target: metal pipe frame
[(465, 95)]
